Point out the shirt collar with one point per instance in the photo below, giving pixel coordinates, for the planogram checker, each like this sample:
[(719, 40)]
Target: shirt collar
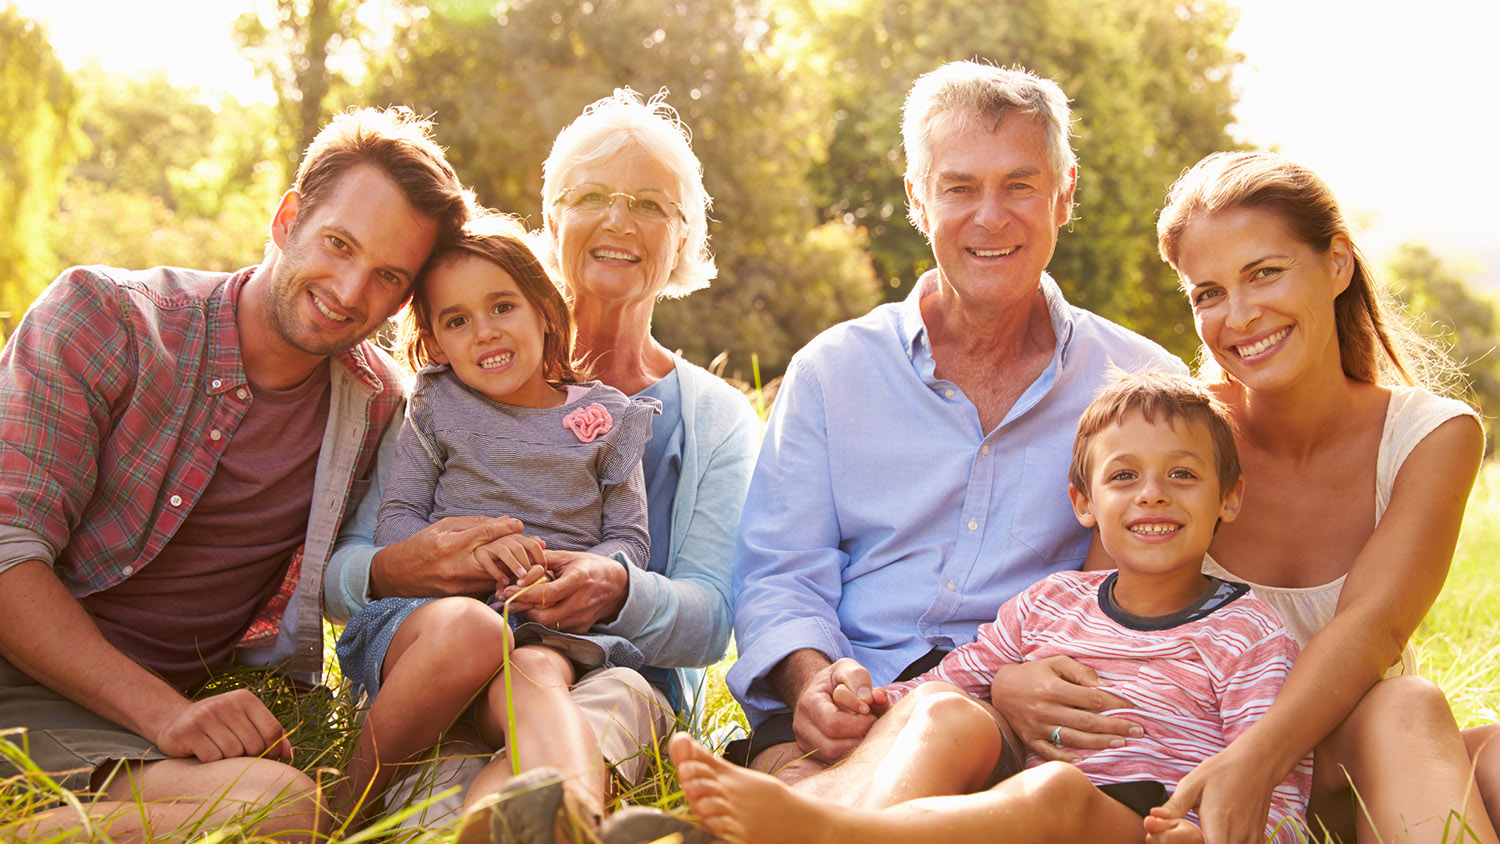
[(914, 331)]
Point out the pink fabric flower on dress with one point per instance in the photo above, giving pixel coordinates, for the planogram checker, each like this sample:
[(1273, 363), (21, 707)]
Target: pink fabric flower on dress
[(589, 423)]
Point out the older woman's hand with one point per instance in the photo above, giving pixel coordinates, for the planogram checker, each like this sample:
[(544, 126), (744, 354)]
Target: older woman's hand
[(1059, 697), (586, 590)]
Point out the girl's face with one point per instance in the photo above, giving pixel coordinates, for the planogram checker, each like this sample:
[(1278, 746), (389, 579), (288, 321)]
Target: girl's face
[(615, 255), (488, 331), (1262, 299)]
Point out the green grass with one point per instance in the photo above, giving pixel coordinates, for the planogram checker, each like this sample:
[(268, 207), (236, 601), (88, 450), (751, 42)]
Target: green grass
[(1457, 647)]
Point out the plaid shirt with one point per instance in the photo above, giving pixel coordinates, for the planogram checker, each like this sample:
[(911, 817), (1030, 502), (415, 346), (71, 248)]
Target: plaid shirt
[(119, 392)]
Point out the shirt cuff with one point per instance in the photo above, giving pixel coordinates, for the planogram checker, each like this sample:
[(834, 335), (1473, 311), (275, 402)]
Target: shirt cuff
[(19, 545)]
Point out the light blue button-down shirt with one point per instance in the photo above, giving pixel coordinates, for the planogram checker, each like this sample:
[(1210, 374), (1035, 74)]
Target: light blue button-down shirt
[(882, 521)]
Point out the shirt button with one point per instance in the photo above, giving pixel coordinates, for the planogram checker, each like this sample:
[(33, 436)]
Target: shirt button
[(217, 384), (215, 435), (127, 571), (175, 501), (242, 393), (948, 394), (985, 450), (973, 525), (951, 587)]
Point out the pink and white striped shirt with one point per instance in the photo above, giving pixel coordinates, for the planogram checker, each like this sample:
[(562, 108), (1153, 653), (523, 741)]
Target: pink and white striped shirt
[(1198, 679)]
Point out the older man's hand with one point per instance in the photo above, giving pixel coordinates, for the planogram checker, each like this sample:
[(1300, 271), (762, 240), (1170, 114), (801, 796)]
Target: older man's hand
[(439, 560), (823, 728)]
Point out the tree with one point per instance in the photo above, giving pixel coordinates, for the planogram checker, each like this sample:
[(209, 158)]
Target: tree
[(293, 42), (502, 86), (169, 177), (1150, 86), (38, 140), (1459, 320)]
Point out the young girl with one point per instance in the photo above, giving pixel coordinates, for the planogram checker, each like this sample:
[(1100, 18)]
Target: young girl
[(497, 425)]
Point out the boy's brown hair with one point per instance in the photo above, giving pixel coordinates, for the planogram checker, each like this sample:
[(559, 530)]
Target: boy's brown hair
[(501, 240), (1158, 397)]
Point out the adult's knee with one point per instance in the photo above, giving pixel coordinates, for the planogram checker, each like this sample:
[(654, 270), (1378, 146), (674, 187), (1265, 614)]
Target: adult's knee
[(278, 800), (1398, 717)]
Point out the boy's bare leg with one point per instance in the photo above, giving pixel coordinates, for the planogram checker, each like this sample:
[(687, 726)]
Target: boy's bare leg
[(857, 779), (950, 743), (1408, 761), (1054, 802), (182, 799), (439, 660)]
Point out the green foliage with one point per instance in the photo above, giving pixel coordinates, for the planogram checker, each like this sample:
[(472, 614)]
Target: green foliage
[(1151, 95), (168, 179), (38, 140), (503, 85), (1463, 321), (295, 43)]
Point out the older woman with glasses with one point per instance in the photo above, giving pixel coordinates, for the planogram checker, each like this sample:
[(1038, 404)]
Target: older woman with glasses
[(625, 215)]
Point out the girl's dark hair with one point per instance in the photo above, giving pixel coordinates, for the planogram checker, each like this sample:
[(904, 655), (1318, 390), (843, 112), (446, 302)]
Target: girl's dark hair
[(501, 240)]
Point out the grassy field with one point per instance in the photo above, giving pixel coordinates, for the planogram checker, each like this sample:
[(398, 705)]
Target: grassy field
[(1458, 645)]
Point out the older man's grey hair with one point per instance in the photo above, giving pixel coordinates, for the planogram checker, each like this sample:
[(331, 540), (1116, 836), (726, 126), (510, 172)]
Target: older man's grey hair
[(609, 125), (975, 94)]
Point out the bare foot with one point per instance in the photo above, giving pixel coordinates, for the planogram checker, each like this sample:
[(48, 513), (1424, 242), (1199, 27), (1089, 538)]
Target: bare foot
[(1166, 830), (740, 805)]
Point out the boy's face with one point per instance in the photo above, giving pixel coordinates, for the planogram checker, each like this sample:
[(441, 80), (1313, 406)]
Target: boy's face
[(1154, 495)]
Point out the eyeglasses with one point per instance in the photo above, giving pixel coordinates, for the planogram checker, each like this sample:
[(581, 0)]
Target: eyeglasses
[(588, 199)]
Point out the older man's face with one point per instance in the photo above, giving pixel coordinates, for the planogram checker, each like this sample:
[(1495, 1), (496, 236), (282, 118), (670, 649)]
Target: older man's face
[(992, 206)]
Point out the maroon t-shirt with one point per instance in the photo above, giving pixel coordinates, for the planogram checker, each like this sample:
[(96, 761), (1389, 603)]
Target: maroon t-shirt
[(182, 614)]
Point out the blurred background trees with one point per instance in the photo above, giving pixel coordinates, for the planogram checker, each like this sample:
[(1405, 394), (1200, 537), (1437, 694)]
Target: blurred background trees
[(794, 107)]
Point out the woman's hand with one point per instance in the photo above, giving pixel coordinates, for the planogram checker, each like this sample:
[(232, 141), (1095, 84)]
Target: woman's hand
[(1059, 696), (586, 589), (1232, 790)]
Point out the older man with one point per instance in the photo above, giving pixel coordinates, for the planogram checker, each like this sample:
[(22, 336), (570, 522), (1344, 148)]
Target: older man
[(177, 450), (914, 472)]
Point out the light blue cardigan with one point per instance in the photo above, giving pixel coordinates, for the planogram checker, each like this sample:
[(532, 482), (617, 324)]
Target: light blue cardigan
[(681, 617)]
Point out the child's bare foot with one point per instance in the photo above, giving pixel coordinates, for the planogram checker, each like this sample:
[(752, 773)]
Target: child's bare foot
[(1169, 830), (740, 805)]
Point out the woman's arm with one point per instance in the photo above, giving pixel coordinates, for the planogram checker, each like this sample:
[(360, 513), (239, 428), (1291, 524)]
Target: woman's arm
[(1390, 587)]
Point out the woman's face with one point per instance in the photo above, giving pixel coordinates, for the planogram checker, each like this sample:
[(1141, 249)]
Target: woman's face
[(615, 254), (1262, 299)]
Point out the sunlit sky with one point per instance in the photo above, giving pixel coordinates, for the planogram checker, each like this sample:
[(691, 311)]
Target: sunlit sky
[(1384, 99)]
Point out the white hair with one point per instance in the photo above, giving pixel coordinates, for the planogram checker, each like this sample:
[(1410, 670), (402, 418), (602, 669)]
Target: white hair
[(610, 124), (977, 93)]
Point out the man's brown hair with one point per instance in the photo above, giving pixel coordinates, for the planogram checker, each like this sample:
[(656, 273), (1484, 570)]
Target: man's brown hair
[(400, 144)]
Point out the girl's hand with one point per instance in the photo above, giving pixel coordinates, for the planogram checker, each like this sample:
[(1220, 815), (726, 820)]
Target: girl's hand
[(586, 589), (1059, 696), (514, 559)]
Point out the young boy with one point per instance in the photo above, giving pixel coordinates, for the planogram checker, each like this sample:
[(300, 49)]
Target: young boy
[(1154, 468)]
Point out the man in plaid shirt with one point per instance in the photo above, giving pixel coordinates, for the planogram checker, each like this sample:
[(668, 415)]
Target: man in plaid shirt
[(177, 451)]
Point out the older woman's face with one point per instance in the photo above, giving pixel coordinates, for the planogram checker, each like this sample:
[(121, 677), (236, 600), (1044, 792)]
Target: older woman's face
[(616, 255), (1262, 299)]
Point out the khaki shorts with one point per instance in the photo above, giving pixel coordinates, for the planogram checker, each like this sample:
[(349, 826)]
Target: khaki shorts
[(628, 715), (66, 741)]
